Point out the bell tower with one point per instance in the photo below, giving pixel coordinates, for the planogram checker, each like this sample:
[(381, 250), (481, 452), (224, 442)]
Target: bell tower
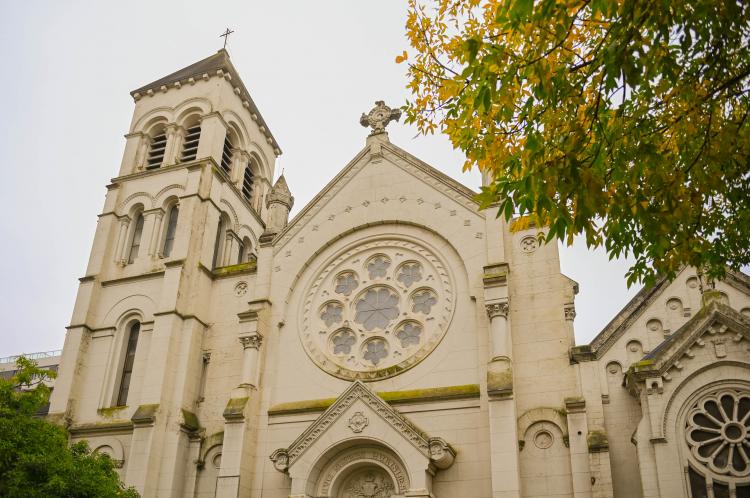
[(185, 211)]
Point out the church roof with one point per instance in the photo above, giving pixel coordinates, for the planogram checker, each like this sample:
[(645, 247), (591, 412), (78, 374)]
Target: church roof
[(210, 65), (640, 302), (714, 318)]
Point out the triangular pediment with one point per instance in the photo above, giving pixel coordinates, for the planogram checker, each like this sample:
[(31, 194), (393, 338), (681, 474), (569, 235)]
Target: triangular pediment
[(716, 323), (373, 155), (640, 303), (353, 409)]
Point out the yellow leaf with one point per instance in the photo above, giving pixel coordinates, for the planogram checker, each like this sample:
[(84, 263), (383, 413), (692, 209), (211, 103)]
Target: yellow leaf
[(401, 58)]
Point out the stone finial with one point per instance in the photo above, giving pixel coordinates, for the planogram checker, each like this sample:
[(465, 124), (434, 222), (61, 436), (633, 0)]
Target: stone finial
[(379, 117), (279, 203)]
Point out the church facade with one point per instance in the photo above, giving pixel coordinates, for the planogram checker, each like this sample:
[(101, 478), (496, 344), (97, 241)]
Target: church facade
[(391, 340)]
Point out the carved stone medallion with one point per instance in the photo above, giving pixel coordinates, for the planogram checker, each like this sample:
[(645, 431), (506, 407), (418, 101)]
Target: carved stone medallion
[(240, 289), (377, 309), (358, 422)]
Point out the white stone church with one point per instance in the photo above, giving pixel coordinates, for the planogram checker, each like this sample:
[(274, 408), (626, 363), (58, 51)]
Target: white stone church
[(391, 340)]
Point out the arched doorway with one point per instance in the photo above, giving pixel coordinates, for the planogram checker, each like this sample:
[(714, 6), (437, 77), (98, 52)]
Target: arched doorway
[(359, 471), (369, 481)]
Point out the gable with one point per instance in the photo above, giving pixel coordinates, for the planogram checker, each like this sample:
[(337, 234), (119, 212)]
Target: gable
[(715, 333), (657, 312), (402, 182), (353, 410)]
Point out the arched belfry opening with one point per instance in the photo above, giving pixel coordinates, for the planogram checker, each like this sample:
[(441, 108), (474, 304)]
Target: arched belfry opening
[(362, 447)]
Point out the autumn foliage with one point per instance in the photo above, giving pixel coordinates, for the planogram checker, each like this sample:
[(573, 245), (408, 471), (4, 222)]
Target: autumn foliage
[(623, 121)]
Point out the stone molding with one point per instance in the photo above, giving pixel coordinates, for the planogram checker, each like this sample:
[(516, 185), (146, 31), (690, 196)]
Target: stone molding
[(285, 457), (496, 275), (718, 321), (431, 394), (422, 171)]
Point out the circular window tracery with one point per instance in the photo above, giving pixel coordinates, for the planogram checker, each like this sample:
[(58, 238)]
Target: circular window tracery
[(346, 282), (384, 322), (376, 308), (718, 432)]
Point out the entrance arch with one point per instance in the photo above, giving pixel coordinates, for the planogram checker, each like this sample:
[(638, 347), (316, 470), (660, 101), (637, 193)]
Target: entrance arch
[(362, 469)]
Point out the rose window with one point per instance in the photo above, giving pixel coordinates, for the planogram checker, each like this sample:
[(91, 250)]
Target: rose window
[(718, 432), (376, 309), (381, 308)]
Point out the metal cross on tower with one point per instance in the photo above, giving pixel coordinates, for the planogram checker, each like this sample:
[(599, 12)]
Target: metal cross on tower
[(225, 35)]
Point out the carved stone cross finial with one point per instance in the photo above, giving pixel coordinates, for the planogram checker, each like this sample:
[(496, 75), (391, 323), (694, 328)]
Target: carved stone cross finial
[(379, 117)]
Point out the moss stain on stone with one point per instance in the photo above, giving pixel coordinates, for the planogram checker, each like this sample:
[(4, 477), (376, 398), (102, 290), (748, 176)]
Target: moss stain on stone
[(109, 413), (391, 397)]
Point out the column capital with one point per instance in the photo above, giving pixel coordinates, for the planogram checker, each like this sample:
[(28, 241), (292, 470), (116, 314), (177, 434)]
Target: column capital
[(251, 341), (496, 309)]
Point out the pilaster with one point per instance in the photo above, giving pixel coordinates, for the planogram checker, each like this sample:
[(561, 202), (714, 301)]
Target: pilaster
[(578, 432), (241, 412), (504, 461), (213, 133)]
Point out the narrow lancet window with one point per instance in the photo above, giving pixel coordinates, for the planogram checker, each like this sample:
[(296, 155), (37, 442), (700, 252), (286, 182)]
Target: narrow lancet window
[(190, 146), (171, 230), (226, 155), (127, 366), (156, 151), (247, 183), (217, 244), (135, 243)]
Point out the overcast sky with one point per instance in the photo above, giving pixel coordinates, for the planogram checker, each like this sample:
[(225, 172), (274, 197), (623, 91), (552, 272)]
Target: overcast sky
[(311, 67)]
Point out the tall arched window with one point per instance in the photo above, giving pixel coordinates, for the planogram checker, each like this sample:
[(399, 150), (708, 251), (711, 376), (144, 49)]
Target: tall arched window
[(226, 154), (135, 241), (174, 212), (156, 150), (245, 250), (218, 244), (247, 183), (127, 365), (190, 145)]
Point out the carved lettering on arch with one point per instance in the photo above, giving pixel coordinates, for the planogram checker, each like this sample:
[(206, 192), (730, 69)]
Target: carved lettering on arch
[(366, 455)]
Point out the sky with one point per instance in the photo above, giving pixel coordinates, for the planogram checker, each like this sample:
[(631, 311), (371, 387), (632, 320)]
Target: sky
[(311, 67)]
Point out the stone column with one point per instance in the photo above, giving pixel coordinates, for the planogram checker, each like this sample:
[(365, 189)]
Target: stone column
[(174, 140), (570, 316), (240, 160), (504, 463), (153, 245), (122, 240), (497, 312), (251, 345)]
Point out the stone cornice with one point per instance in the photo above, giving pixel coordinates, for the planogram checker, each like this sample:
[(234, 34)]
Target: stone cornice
[(96, 429), (132, 278), (427, 395)]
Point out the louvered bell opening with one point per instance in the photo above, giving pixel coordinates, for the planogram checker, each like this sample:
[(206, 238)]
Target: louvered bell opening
[(190, 146), (226, 156), (247, 183), (156, 152)]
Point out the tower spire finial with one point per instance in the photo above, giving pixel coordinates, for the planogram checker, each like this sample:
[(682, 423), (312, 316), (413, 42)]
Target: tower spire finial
[(225, 35)]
